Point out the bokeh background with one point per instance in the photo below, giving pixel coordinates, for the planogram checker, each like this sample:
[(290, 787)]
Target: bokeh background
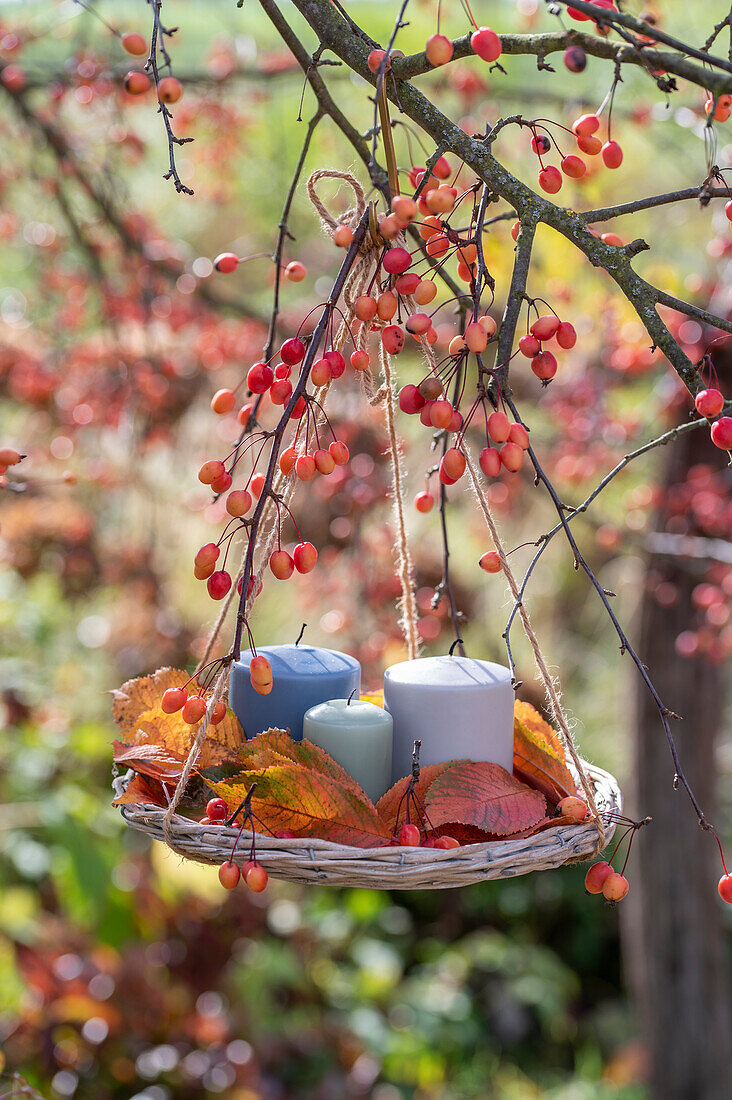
[(126, 973)]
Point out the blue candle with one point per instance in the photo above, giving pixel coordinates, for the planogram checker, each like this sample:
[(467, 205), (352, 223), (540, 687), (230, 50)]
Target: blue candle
[(303, 676)]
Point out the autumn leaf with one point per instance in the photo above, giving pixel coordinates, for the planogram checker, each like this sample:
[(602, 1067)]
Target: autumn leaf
[(388, 804), (309, 803), (375, 697), (141, 789), (153, 760), (484, 795), (137, 711), (538, 754)]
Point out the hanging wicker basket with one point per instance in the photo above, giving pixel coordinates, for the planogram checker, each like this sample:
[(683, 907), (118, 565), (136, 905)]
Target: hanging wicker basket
[(323, 862)]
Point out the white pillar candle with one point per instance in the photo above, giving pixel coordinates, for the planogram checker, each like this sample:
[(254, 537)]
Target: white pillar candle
[(359, 736), (458, 707)]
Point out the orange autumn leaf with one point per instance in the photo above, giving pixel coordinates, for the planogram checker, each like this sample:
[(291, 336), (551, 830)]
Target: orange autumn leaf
[(142, 721), (309, 803), (141, 790), (486, 796), (388, 804), (151, 760), (538, 754)]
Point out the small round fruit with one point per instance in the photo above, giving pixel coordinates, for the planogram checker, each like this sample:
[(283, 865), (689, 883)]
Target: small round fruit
[(222, 483), (418, 323), (490, 461), (9, 456), (223, 402), (544, 366), (573, 166), (136, 83), (226, 263), (360, 359), (612, 156), (441, 414), (295, 272), (424, 502), (498, 426), (392, 337), (575, 59), (229, 875), (324, 461), (292, 351), (404, 208), (574, 808), (490, 562), (173, 699), (376, 59), (396, 261), (410, 399), (550, 179), (519, 434), (217, 810), (486, 44), (238, 503), (218, 584), (545, 327), (169, 90), (260, 670), (615, 887), (566, 335), (707, 402), (218, 713), (260, 377), (409, 836), (425, 292), (305, 467), (193, 709), (342, 236), (305, 556), (208, 554), (211, 471), (596, 876), (340, 452), (476, 337), (365, 307), (586, 125), (257, 485), (134, 43), (255, 877), (281, 564), (453, 463), (724, 887), (447, 842), (722, 433), (529, 345), (512, 456), (438, 49), (386, 305)]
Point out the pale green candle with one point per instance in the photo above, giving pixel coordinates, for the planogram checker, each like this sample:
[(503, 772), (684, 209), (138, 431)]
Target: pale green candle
[(359, 736)]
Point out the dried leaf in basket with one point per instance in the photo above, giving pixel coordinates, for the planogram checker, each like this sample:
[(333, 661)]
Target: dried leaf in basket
[(152, 760), (308, 802), (390, 804), (484, 795), (141, 789), (142, 721), (538, 754)]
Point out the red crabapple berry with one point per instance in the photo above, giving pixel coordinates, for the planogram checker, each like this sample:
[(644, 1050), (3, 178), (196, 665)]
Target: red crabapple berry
[(238, 503), (340, 452), (453, 463), (573, 166), (360, 359), (566, 335), (441, 169), (134, 43), (281, 564), (544, 366), (545, 327), (612, 239), (292, 351), (211, 471), (255, 877), (260, 675), (392, 337), (490, 562), (575, 59), (515, 230), (218, 713), (724, 888), (375, 59), (722, 433), (173, 699), (136, 83), (550, 179), (424, 502), (386, 305), (223, 402), (221, 484), (257, 484), (486, 44), (512, 457), (612, 156), (476, 338), (299, 409), (447, 842), (342, 236), (407, 283), (244, 415), (193, 709), (260, 377), (490, 461), (287, 460), (202, 572), (324, 461), (320, 372), (226, 263), (596, 876), (280, 391), (218, 584), (728, 210), (441, 414), (365, 307), (169, 90), (295, 272), (229, 874), (217, 810), (409, 836), (498, 427), (574, 808), (540, 144), (9, 456), (519, 434), (336, 362), (709, 403), (529, 346), (418, 323), (396, 261), (615, 887), (425, 292), (305, 556), (404, 209), (585, 125), (305, 467), (410, 399), (438, 49), (208, 554)]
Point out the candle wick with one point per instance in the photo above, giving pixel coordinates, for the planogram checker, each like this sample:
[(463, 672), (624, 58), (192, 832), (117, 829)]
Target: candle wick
[(458, 641), (348, 703), (302, 631)]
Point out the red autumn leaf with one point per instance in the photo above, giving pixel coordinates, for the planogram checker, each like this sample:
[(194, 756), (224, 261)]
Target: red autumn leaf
[(389, 803), (466, 834), (538, 755), (141, 789), (484, 795), (153, 760), (309, 803)]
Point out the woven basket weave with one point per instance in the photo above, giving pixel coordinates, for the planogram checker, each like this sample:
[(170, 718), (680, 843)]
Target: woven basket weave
[(394, 868)]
